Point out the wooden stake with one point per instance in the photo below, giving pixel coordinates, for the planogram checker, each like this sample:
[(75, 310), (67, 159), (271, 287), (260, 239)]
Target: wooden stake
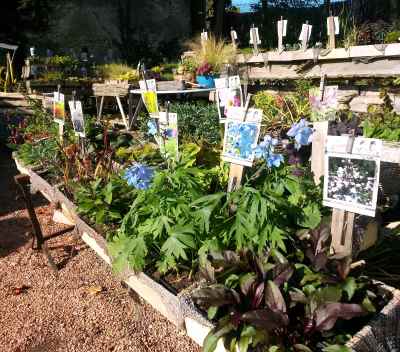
[(234, 38)]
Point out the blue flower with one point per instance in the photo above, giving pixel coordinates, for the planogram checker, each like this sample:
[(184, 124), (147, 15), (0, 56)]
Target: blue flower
[(265, 147), (274, 160), (301, 133), (139, 176), (152, 127)]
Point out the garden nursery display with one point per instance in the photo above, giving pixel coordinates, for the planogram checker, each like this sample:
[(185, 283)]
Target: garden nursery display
[(254, 202)]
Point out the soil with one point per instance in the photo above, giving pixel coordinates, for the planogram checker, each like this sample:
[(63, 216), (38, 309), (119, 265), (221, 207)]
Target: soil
[(85, 308)]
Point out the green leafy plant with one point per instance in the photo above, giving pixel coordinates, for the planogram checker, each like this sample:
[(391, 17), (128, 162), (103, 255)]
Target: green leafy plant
[(105, 203), (160, 220), (120, 72), (281, 111)]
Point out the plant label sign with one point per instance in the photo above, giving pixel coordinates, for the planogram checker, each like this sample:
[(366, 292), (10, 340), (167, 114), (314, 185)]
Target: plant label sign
[(305, 35), (229, 94), (149, 96), (324, 104), (77, 118), (352, 179), (168, 136), (241, 135), (59, 107)]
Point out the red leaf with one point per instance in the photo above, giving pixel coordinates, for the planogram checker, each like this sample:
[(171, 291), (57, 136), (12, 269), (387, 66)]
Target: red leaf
[(266, 319), (327, 315)]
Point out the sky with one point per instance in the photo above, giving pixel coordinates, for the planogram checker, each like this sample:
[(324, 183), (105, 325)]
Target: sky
[(244, 5)]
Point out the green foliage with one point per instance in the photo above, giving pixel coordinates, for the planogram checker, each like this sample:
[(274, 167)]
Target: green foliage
[(119, 72), (198, 122), (43, 153), (282, 111), (161, 220), (382, 122), (104, 203), (392, 37)]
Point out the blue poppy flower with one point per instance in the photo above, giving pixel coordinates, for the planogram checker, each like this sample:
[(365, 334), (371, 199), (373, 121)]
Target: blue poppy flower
[(301, 133), (139, 176), (274, 160), (152, 128)]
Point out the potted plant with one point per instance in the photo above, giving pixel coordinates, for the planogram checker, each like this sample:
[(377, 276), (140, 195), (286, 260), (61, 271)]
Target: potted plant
[(210, 57), (205, 76)]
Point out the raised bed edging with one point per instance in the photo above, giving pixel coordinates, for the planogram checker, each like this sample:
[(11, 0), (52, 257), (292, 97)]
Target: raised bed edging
[(177, 309)]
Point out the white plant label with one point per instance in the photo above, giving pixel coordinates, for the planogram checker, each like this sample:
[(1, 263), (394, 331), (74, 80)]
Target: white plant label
[(151, 85), (336, 23), (306, 30), (77, 118), (282, 27), (254, 36)]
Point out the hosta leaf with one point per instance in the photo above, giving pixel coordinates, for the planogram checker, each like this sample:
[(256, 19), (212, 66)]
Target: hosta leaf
[(266, 319), (246, 282), (215, 295), (273, 298), (327, 315)]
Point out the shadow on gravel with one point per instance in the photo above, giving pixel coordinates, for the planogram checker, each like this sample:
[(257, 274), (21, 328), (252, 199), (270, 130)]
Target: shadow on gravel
[(8, 188), (13, 234)]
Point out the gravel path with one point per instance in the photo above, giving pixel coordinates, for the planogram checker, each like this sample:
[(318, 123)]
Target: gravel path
[(41, 313)]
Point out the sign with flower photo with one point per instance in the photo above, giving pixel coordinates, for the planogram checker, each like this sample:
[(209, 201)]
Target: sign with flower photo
[(77, 118), (241, 135), (165, 131), (323, 109), (352, 180), (229, 93), (58, 107)]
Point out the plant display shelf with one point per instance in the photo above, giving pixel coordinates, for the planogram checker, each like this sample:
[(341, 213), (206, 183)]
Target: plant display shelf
[(367, 61), (179, 309)]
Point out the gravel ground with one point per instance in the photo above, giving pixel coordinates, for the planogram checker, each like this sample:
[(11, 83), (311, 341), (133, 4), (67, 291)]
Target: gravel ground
[(41, 313)]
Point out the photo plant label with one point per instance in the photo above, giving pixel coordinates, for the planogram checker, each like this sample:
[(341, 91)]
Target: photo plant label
[(326, 108), (168, 136), (77, 118), (48, 102), (352, 179), (59, 107), (229, 94), (241, 135), (149, 96)]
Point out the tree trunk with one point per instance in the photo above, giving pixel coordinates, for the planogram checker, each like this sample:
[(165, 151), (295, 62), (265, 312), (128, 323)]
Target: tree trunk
[(327, 7), (394, 10), (219, 13)]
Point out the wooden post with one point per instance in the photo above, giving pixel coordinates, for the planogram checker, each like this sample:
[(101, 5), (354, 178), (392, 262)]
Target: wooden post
[(22, 182), (318, 150), (331, 32)]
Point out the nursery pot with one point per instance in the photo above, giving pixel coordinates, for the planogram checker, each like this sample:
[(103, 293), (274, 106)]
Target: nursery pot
[(206, 81)]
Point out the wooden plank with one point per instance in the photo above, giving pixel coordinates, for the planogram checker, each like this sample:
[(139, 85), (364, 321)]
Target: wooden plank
[(235, 177), (333, 70), (364, 51)]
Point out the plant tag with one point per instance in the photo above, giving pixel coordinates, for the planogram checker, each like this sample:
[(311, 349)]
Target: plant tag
[(352, 179), (59, 107), (282, 28), (168, 136), (77, 118), (305, 34), (229, 95), (254, 36), (148, 85), (336, 24), (241, 135)]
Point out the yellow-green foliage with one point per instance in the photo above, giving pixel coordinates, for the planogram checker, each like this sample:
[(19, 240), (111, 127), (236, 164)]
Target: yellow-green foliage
[(213, 51), (119, 72)]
